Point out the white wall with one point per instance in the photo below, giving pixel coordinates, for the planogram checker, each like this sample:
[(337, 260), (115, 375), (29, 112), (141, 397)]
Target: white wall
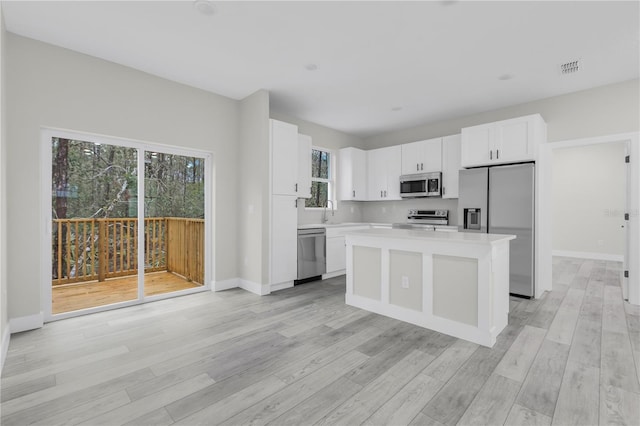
[(589, 200), (4, 320), (54, 87)]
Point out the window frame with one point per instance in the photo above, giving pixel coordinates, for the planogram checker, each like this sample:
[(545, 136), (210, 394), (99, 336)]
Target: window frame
[(331, 182)]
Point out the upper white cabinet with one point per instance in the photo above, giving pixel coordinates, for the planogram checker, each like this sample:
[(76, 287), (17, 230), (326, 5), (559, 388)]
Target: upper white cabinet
[(451, 150), (507, 141), (352, 174), (384, 167), (422, 156), (284, 158), (304, 166)]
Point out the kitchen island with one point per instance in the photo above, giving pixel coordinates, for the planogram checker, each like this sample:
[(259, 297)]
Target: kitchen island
[(455, 283)]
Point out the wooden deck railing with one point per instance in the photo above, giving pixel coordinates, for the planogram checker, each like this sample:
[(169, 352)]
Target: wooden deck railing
[(97, 249)]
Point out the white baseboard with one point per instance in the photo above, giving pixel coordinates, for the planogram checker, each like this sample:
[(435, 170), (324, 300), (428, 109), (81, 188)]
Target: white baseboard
[(253, 287), (6, 336), (29, 322), (225, 284), (589, 255), (334, 274), (281, 286)]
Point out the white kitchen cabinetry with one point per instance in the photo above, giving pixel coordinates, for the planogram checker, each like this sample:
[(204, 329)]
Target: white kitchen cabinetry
[(451, 150), (336, 248), (384, 166), (284, 243), (422, 156), (506, 141), (352, 174), (304, 166), (284, 158)]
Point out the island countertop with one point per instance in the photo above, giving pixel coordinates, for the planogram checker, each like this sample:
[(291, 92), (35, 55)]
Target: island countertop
[(461, 237)]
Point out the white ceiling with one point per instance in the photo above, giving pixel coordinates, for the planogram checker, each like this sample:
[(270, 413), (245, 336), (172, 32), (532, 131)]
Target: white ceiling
[(434, 60)]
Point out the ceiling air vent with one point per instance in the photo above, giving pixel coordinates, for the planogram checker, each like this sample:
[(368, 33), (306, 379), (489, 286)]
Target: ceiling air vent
[(571, 67)]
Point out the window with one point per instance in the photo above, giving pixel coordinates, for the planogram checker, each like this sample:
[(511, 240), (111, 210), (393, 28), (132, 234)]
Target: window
[(321, 179)]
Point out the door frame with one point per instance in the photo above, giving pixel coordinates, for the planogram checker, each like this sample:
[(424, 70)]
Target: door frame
[(632, 236), (47, 133)]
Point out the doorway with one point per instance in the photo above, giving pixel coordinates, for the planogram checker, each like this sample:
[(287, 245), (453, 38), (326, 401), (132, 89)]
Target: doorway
[(128, 223)]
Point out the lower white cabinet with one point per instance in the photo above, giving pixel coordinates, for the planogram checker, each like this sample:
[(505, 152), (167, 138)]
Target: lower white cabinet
[(336, 249), (336, 254), (284, 240)]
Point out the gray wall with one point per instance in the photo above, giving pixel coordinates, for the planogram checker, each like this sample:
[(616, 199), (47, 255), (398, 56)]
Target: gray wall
[(54, 87), (4, 321), (595, 112), (253, 198), (589, 199)]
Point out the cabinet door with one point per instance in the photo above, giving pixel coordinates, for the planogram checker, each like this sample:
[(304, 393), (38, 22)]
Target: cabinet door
[(336, 254), (432, 156), (412, 154), (377, 174), (304, 166), (284, 238), (393, 164), (451, 149), (514, 140), (477, 145), (284, 158), (352, 174)]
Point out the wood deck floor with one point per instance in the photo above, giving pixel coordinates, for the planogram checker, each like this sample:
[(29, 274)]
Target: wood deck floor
[(72, 297), (302, 357)]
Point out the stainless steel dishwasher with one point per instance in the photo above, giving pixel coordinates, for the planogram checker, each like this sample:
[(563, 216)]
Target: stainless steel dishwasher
[(312, 254)]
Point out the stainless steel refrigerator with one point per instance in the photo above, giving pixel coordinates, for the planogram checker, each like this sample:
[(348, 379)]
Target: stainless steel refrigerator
[(500, 200)]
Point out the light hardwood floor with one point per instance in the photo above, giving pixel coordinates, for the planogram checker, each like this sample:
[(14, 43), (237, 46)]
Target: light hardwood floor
[(302, 357)]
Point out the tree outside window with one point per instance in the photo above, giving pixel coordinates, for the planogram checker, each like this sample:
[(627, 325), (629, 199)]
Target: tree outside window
[(321, 184)]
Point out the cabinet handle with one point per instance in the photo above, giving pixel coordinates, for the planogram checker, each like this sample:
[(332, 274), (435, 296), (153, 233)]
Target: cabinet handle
[(497, 154), (295, 203), (380, 194), (490, 155), (444, 190), (421, 166), (417, 167), (385, 194), (354, 193), (296, 187)]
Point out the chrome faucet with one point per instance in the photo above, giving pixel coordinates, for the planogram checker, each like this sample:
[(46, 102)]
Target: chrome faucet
[(325, 219)]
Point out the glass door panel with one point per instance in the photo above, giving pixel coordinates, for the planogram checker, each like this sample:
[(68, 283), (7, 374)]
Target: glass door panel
[(174, 219), (95, 226)]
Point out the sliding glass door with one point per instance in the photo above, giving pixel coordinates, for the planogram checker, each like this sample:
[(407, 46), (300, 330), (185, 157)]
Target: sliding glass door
[(118, 239)]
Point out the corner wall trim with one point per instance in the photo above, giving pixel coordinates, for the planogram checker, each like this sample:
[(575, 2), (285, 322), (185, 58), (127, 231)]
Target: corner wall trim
[(253, 287), (6, 336), (589, 255), (29, 322), (226, 284)]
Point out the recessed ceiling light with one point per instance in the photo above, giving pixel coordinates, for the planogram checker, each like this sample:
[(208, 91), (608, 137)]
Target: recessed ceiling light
[(205, 7), (396, 108), (311, 67), (505, 77)]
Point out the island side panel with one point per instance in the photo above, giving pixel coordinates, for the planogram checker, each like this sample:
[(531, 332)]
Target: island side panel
[(405, 279), (455, 288), (367, 274)]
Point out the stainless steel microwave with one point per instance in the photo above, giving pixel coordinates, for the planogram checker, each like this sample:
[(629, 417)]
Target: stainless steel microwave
[(421, 185)]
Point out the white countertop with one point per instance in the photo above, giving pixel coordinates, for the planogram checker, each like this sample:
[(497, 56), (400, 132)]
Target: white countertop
[(461, 237), (338, 225)]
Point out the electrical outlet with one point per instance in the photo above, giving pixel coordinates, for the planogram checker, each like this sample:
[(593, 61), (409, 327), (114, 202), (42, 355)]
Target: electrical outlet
[(405, 281)]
